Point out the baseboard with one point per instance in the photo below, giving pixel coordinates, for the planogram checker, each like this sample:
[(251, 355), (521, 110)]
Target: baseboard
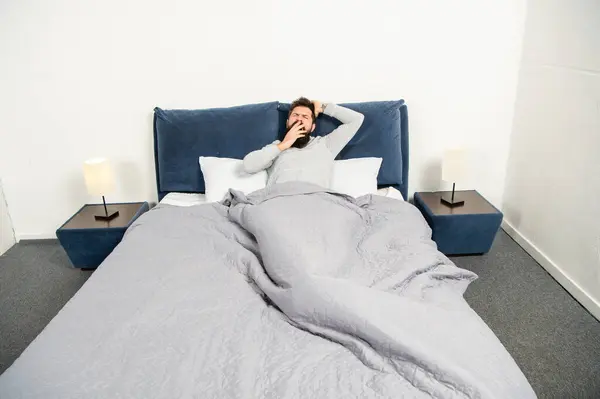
[(583, 297), (49, 236)]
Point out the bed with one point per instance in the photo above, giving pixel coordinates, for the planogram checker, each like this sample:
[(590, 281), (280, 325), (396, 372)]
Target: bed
[(292, 291)]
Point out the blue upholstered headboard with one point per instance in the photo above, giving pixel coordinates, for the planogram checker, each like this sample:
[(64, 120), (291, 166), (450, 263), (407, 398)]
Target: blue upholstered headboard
[(181, 136)]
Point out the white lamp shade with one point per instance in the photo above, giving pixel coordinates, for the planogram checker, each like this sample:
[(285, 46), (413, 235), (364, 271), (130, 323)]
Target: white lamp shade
[(98, 176), (454, 165)]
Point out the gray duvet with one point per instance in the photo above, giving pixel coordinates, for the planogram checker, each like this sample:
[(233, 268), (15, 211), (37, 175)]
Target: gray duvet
[(289, 292)]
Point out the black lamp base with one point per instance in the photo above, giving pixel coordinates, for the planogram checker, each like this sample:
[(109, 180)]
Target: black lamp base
[(107, 217), (452, 204), (449, 200)]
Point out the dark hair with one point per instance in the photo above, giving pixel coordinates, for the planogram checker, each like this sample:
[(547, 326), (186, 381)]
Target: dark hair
[(303, 102)]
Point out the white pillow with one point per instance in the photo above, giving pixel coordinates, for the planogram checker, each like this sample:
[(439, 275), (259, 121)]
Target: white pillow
[(221, 174), (356, 176)]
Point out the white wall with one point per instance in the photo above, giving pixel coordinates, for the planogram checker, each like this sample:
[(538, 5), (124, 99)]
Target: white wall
[(7, 237), (84, 76), (552, 196)]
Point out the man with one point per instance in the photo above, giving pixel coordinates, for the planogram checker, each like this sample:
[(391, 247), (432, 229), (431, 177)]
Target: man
[(300, 156)]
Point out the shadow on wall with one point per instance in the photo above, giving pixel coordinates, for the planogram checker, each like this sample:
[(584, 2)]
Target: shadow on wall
[(129, 179), (431, 176), (7, 234), (512, 215), (75, 190)]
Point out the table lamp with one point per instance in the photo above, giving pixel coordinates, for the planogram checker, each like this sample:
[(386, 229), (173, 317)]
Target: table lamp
[(454, 166), (99, 181)]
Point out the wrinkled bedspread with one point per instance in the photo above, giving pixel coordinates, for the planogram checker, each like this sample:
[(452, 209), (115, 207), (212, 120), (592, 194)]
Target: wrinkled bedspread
[(289, 292)]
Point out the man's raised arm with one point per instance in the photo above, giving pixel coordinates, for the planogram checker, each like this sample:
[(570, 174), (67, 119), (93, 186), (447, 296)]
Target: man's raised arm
[(351, 122)]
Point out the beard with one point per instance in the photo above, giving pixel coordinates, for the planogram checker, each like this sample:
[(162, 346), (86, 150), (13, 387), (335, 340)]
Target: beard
[(301, 141)]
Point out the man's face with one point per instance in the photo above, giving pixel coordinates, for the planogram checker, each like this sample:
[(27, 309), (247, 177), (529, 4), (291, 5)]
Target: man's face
[(303, 116)]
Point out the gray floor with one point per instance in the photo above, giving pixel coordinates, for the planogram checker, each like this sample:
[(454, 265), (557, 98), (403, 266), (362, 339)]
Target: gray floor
[(36, 281), (554, 340)]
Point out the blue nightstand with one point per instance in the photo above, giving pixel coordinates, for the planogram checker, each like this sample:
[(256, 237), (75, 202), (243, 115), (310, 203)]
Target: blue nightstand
[(87, 241), (462, 230)]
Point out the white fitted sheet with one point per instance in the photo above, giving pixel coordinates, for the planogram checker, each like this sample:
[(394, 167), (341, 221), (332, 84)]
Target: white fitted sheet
[(191, 199)]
